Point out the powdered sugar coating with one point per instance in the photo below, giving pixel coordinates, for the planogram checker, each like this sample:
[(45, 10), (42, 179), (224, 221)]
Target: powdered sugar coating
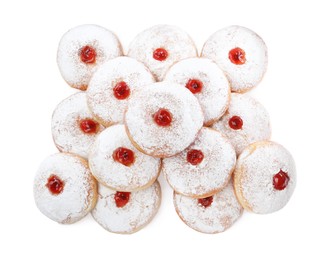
[(187, 119), (75, 72), (209, 176), (242, 77), (256, 123), (215, 95), (138, 212), (176, 42), (253, 177), (220, 215), (79, 193), (66, 131), (102, 102), (143, 172)]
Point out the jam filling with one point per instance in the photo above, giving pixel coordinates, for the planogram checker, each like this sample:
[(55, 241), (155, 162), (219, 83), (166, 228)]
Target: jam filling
[(280, 180), (163, 117), (194, 85), (88, 54), (55, 185), (124, 156), (121, 90), (89, 126), (205, 202), (236, 123), (237, 56), (121, 198), (194, 157), (160, 54)]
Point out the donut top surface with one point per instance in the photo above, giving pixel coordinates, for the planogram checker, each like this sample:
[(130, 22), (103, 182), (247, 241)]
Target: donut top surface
[(163, 119), (240, 53), (112, 85), (82, 49), (265, 177), (161, 46), (206, 81), (74, 128)]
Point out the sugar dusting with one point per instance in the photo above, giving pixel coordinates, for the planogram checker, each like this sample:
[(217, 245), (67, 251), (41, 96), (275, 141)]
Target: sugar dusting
[(253, 177), (163, 141), (242, 77), (106, 170), (79, 194), (178, 44), (211, 175), (102, 102), (215, 95), (138, 212), (220, 215), (66, 131), (256, 122)]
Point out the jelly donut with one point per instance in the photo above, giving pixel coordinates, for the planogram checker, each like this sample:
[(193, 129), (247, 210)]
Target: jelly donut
[(240, 53), (246, 121), (203, 168), (163, 119), (160, 46), (82, 49), (117, 164), (64, 189), (211, 214), (265, 177), (73, 127), (207, 82), (126, 212), (111, 86)]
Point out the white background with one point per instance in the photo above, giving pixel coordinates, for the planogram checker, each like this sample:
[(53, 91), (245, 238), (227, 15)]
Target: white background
[(31, 87)]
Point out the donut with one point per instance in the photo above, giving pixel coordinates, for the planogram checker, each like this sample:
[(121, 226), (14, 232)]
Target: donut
[(246, 121), (160, 46), (73, 127), (203, 168), (207, 82), (211, 214), (117, 164), (163, 119), (265, 177), (111, 87), (82, 49), (64, 189), (240, 53), (126, 212)]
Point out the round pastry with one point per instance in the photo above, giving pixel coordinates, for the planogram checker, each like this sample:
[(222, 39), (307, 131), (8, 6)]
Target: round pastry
[(117, 164), (73, 127), (163, 119), (207, 82), (126, 212), (111, 86), (240, 53), (202, 169), (265, 177), (82, 49), (212, 214), (246, 121), (160, 46), (64, 189)]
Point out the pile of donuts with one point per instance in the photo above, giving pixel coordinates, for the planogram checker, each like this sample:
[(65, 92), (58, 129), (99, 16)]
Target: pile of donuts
[(162, 108)]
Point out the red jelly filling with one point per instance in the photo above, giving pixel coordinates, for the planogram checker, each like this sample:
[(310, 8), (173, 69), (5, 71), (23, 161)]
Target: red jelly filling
[(121, 198), (121, 90), (163, 117), (160, 54), (89, 126), (194, 85), (236, 122), (205, 202), (88, 54), (194, 157), (124, 156), (55, 185), (280, 180), (237, 56)]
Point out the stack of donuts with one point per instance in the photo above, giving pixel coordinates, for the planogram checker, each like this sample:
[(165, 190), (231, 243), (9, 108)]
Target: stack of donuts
[(162, 108)]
